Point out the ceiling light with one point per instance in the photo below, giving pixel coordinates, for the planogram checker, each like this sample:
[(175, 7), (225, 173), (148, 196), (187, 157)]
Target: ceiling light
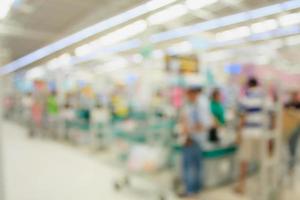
[(83, 75), (36, 73), (168, 14), (158, 53), (59, 62), (289, 19), (83, 50), (266, 11), (275, 44), (197, 4), (65, 59), (124, 33), (5, 6), (137, 58), (232, 34), (118, 63), (293, 40), (155, 4), (264, 26), (233, 19), (217, 55), (184, 47)]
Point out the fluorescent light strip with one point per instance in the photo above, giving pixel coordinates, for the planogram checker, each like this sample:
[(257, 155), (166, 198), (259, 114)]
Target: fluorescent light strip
[(290, 5), (131, 44), (224, 21), (228, 35), (289, 19), (287, 31), (124, 33), (131, 14), (112, 38), (281, 32), (264, 26), (293, 40), (266, 11), (261, 36), (181, 47), (234, 19)]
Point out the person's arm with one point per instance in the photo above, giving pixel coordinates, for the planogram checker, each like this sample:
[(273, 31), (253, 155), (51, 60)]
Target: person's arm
[(241, 121), (184, 125), (241, 124), (185, 131)]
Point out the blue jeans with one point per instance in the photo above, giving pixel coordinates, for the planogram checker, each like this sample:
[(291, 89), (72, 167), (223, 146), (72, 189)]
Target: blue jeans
[(192, 168), (293, 144)]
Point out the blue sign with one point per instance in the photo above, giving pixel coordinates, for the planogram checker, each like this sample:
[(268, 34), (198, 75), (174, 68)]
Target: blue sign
[(233, 69)]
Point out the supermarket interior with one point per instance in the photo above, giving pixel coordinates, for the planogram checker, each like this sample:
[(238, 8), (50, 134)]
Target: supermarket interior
[(149, 99)]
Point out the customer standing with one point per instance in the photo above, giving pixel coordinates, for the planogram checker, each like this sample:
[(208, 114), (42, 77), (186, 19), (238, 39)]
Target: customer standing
[(218, 113), (292, 111), (52, 114), (36, 117), (253, 120), (217, 108), (196, 121)]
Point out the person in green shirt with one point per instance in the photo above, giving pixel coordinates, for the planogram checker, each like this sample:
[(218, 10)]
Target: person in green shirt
[(218, 113), (52, 114), (217, 108), (52, 104)]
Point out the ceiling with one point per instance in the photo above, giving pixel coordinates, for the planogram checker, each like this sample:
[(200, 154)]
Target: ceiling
[(32, 24), (36, 23)]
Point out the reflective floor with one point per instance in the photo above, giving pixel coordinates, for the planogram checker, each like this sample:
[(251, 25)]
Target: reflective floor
[(37, 169)]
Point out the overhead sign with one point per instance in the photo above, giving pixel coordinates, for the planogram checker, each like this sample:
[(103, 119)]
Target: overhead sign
[(182, 64)]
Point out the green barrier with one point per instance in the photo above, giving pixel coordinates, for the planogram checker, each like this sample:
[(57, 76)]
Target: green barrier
[(139, 137), (167, 125), (212, 154), (81, 125), (131, 137), (138, 115)]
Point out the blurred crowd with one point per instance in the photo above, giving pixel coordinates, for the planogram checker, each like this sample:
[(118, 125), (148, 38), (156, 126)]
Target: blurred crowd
[(203, 118)]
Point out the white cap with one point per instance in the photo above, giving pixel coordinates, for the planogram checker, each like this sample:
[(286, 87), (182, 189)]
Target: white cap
[(194, 81)]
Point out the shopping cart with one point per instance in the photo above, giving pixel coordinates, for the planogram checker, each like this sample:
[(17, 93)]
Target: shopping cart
[(79, 129), (101, 135), (143, 153)]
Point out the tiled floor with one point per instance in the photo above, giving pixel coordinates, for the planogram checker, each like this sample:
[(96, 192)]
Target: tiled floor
[(37, 169)]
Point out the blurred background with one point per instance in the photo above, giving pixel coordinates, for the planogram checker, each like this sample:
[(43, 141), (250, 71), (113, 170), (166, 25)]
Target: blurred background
[(149, 99)]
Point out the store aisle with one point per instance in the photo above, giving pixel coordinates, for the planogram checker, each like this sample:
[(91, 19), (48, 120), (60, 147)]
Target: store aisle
[(45, 170), (38, 169)]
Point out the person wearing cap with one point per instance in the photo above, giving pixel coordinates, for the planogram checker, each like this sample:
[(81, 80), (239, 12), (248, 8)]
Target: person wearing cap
[(195, 120)]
